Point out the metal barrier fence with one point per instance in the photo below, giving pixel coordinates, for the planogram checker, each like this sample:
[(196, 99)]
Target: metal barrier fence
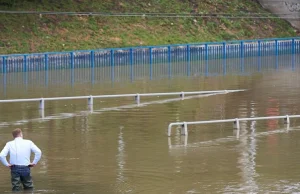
[(236, 121), (157, 61), (136, 96)]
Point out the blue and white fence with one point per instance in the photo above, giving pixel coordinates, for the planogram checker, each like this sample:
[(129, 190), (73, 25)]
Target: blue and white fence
[(153, 61)]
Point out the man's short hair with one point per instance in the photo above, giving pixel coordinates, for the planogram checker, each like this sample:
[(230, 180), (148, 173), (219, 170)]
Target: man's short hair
[(16, 132)]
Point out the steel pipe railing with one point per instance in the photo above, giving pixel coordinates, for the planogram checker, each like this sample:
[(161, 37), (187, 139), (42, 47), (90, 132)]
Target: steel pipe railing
[(91, 98), (236, 121)]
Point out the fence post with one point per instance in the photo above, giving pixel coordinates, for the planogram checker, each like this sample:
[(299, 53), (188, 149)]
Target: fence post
[(46, 69), (25, 63), (276, 54), (259, 56), (72, 67), (169, 61), (150, 61), (72, 60), (206, 59), (293, 54), (92, 66), (4, 64), (131, 63), (224, 58), (112, 65), (46, 62), (42, 104), (242, 56), (188, 60)]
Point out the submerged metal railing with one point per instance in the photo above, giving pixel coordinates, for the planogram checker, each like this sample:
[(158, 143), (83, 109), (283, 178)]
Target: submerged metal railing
[(91, 98), (236, 121)]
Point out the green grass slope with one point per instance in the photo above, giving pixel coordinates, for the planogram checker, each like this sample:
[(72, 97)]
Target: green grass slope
[(27, 33)]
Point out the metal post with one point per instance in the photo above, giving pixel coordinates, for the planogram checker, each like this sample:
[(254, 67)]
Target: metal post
[(150, 61), (242, 56), (46, 62), (169, 61), (224, 58), (46, 69), (138, 98), (293, 54), (42, 113), (90, 100), (287, 120), (92, 66), (188, 60), (276, 54), (4, 64), (236, 124), (25, 63), (259, 56), (206, 59), (182, 95), (131, 63), (42, 104), (72, 68), (184, 129), (112, 64), (169, 130)]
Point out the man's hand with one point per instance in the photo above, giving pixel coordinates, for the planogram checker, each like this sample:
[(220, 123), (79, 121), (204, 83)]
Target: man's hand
[(31, 165), (9, 166)]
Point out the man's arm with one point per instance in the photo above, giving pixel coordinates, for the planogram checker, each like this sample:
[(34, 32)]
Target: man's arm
[(37, 154), (3, 155)]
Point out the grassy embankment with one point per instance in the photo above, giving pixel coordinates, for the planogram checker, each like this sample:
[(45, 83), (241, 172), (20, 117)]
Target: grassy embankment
[(35, 33)]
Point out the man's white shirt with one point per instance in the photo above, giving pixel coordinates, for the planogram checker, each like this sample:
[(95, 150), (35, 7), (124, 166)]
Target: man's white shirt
[(19, 150)]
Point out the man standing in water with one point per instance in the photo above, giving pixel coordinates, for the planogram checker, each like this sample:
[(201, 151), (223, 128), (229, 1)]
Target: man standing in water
[(19, 150)]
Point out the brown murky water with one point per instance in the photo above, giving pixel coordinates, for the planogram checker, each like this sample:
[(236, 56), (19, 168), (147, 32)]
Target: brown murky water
[(126, 150)]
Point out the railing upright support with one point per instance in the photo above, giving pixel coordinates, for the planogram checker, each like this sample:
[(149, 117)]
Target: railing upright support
[(182, 95), (184, 129), (287, 120), (90, 100), (236, 124), (138, 98), (42, 104)]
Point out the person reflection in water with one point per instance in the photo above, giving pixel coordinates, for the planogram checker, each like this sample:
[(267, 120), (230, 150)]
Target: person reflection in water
[(19, 150)]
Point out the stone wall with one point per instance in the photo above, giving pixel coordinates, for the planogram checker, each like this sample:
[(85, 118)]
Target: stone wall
[(287, 9)]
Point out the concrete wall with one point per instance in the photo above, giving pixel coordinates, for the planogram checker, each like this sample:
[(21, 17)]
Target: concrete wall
[(287, 9)]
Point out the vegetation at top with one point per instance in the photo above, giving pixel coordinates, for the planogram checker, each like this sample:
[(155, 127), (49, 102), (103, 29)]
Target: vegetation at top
[(28, 33)]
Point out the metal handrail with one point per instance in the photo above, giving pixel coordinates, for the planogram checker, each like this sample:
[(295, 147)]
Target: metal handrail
[(91, 98), (236, 121)]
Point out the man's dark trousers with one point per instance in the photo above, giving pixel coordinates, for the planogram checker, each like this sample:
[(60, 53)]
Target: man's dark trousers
[(21, 174)]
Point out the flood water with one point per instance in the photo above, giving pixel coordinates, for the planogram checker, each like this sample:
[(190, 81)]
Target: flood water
[(127, 150)]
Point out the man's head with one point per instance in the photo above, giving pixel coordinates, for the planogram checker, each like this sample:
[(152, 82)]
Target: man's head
[(17, 133)]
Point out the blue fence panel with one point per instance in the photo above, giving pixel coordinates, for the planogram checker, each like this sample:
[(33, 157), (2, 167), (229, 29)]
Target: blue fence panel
[(141, 63), (197, 60), (152, 62), (122, 65), (160, 64), (233, 55)]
